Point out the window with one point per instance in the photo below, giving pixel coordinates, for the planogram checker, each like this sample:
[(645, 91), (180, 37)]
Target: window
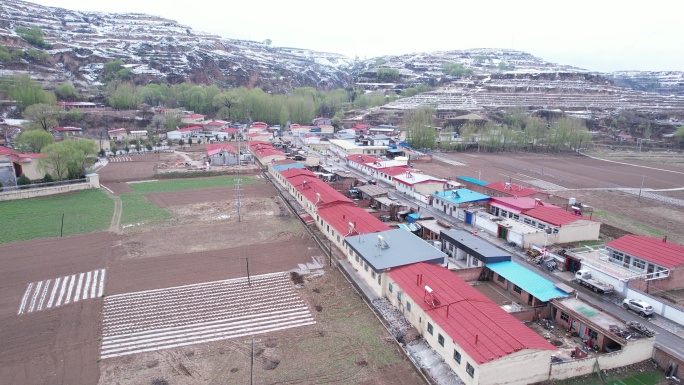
[(390, 287), (516, 217), (593, 335), (338, 239), (470, 370), (565, 317), (440, 339), (430, 330), (379, 279), (399, 297), (501, 279), (365, 266), (517, 289), (457, 356), (373, 274), (408, 306), (639, 264)]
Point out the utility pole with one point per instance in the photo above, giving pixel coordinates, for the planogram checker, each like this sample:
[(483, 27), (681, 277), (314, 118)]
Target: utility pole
[(238, 197), (642, 186)]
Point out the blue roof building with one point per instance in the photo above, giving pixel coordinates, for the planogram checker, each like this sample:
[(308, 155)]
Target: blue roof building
[(529, 287), (474, 181), (453, 202), (288, 166)]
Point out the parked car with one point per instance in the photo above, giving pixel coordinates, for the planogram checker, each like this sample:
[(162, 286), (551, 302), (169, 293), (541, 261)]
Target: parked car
[(639, 306)]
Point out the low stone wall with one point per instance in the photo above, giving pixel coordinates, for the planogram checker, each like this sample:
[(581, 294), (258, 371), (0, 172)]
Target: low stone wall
[(635, 351), (469, 274), (663, 359), (92, 182)]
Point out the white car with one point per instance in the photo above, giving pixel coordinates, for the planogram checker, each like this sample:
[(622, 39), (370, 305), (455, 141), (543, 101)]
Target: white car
[(639, 306)]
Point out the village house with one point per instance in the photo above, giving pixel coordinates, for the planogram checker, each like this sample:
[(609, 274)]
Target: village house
[(321, 121), (506, 189), (659, 264), (454, 202), (418, 186), (526, 287), (26, 164), (264, 152), (221, 154), (216, 125), (343, 148), (372, 254), (184, 133), (473, 335), (466, 249), (192, 118), (61, 133), (117, 134)]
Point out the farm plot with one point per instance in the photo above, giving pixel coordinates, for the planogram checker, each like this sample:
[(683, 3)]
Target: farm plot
[(86, 211), (611, 187), (346, 345)]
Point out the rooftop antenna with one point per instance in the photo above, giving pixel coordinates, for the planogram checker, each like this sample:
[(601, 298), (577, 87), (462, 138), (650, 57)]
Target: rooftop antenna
[(318, 199)]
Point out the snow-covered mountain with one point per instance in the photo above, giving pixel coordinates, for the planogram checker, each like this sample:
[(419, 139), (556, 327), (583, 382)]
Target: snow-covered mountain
[(158, 49)]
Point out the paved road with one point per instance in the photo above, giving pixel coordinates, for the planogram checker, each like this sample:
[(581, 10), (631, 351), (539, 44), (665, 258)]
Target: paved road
[(665, 339)]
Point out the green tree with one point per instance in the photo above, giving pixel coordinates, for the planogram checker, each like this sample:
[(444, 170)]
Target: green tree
[(115, 70), (388, 74), (48, 178), (66, 91), (112, 148), (5, 55), (67, 159), (42, 116), (149, 147), (33, 141), (679, 134), (33, 36), (420, 127), (190, 142), (23, 180), (456, 69), (122, 96), (181, 142), (35, 55), (25, 91)]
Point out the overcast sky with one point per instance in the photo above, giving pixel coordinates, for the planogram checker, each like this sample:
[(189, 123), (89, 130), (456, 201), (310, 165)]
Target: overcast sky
[(599, 35)]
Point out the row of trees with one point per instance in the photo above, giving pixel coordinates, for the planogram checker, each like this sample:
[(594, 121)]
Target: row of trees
[(301, 105), (517, 132)]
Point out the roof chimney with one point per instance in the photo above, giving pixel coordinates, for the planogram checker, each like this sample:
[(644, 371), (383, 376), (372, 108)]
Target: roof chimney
[(476, 336), (665, 239)]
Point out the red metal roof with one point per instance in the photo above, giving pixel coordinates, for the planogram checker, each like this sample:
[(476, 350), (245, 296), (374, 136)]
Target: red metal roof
[(394, 170), (309, 185), (518, 203), (514, 189), (24, 157), (339, 216), (194, 116), (479, 326), (230, 130), (264, 152), (217, 123), (654, 250), (117, 130), (292, 172), (360, 158), (6, 151), (554, 215), (191, 128), (66, 129), (216, 148), (360, 126)]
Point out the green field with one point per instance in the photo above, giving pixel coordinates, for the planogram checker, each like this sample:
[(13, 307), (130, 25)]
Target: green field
[(84, 212), (92, 210), (189, 184), (630, 377)]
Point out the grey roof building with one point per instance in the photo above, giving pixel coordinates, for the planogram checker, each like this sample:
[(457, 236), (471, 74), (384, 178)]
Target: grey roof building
[(474, 246), (393, 248)]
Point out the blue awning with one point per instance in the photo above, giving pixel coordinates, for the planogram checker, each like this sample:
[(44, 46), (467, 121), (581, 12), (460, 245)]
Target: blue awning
[(539, 287)]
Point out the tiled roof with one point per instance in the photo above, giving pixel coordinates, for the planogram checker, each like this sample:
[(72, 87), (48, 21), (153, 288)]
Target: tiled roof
[(511, 188), (553, 215), (479, 326), (360, 158), (517, 203), (411, 178), (190, 128), (216, 148), (654, 250), (339, 216)]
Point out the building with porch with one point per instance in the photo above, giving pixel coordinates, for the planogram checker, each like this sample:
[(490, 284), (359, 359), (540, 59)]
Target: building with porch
[(529, 288), (651, 259), (375, 254), (454, 202), (221, 154), (418, 186), (479, 341), (466, 249)]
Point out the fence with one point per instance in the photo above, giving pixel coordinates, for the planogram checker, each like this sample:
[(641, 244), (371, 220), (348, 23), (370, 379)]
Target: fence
[(53, 188)]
